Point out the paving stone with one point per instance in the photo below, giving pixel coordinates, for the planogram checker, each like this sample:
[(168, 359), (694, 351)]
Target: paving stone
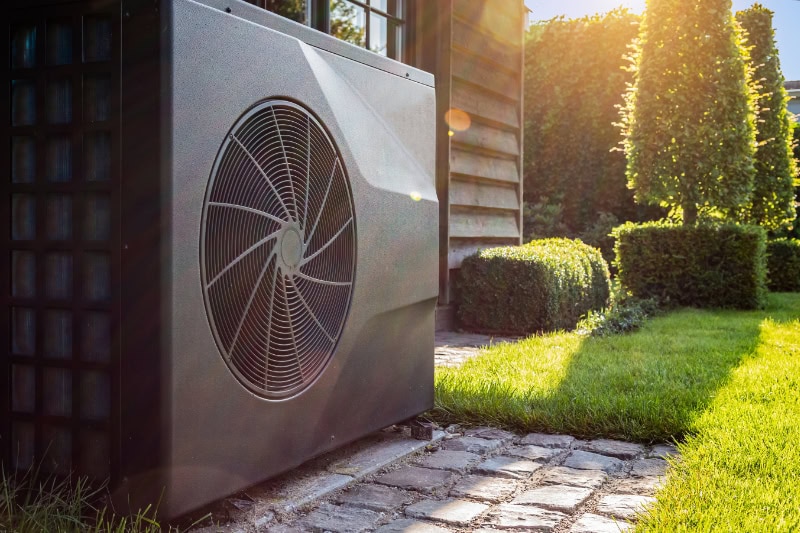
[(592, 523), (406, 525), (508, 516), (493, 489), (645, 486), (472, 444), (505, 466), (649, 468), (548, 441), (592, 461), (420, 479), (555, 497), (286, 528), (490, 433), (624, 506), (340, 519), (534, 453), (613, 448), (297, 493), (663, 451), (561, 475), (454, 461), (450, 511), (375, 497), (380, 451)]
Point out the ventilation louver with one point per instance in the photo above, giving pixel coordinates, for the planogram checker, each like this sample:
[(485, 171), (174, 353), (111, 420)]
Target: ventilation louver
[(278, 249)]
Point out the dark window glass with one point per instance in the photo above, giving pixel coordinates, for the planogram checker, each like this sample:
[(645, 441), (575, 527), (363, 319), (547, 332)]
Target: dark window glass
[(291, 9)]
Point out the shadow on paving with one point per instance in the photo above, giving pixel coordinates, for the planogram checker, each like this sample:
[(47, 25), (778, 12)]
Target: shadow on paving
[(648, 386)]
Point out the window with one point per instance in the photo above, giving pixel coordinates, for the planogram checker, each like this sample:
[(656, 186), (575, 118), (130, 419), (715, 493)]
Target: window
[(377, 25)]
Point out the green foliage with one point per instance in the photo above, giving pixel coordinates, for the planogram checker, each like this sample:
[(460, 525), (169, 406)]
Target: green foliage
[(573, 85), (541, 286), (623, 315), (783, 265), (344, 23), (795, 230), (688, 119), (291, 9), (772, 203), (598, 234), (543, 219), (700, 266)]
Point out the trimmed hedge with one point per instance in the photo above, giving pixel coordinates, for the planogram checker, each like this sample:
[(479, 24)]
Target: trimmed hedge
[(544, 285), (697, 266), (783, 265)]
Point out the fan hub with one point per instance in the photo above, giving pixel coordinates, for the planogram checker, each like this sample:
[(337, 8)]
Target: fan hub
[(291, 247)]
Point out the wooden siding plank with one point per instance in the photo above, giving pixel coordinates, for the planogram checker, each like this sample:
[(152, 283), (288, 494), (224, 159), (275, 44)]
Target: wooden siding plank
[(461, 248), (505, 24), (472, 70), (482, 194), (485, 46), (483, 104), (491, 168), (488, 138), (469, 223)]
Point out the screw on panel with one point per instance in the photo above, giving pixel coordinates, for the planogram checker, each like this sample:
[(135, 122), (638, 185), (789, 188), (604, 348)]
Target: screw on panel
[(227, 10)]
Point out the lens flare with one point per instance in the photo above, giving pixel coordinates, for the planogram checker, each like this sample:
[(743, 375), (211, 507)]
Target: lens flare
[(415, 196), (457, 119)]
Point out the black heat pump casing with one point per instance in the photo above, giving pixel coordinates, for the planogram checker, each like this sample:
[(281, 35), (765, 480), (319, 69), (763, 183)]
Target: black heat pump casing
[(117, 115)]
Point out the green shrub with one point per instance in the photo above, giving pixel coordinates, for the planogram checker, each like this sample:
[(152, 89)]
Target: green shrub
[(698, 266), (783, 265), (544, 285)]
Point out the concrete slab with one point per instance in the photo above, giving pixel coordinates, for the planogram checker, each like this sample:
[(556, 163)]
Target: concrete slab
[(451, 511), (592, 461), (385, 449), (424, 480), (484, 488)]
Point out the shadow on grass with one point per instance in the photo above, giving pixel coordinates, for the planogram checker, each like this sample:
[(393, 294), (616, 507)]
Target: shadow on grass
[(648, 386)]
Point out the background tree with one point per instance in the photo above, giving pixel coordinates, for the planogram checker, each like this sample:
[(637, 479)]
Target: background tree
[(291, 9), (688, 120), (772, 201), (573, 85)]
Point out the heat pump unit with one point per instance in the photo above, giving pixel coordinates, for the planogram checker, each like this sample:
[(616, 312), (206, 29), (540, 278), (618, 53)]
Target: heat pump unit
[(221, 249)]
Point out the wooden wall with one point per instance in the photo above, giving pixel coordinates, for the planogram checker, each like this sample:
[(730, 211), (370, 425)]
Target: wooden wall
[(475, 49)]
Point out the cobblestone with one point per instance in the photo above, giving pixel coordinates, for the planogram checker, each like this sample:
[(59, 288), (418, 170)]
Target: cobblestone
[(450, 511), (505, 466), (592, 523), (573, 476), (414, 478), (375, 497), (508, 516), (455, 461), (624, 506), (548, 441), (492, 489), (555, 497), (534, 453), (613, 448), (592, 461), (472, 445)]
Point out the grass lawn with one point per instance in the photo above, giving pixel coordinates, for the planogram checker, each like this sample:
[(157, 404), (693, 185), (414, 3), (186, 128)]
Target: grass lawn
[(724, 383)]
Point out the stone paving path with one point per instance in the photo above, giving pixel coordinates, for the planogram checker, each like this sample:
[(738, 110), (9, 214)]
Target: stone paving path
[(479, 480)]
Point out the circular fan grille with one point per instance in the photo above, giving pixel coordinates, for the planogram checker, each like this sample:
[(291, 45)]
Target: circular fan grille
[(278, 248)]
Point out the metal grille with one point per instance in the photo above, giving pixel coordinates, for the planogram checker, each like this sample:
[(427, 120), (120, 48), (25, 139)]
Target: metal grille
[(59, 265), (278, 249)]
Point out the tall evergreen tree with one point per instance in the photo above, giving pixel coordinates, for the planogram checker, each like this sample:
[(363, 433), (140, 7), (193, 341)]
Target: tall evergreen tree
[(688, 120), (772, 203)]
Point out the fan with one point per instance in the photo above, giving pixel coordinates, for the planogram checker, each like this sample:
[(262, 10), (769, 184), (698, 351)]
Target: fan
[(278, 248)]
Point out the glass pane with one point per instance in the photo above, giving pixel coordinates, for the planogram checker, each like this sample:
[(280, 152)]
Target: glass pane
[(23, 217), (96, 39), (57, 391), (291, 9), (58, 457), (98, 156), (23, 388), (96, 338), (58, 334), (97, 281), (97, 221), (23, 103), (22, 445), (59, 43), (23, 331), (58, 155), (95, 460), (348, 22), (97, 98), (23, 159), (23, 46), (23, 274), (59, 102), (58, 276), (95, 396), (377, 34), (58, 217)]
